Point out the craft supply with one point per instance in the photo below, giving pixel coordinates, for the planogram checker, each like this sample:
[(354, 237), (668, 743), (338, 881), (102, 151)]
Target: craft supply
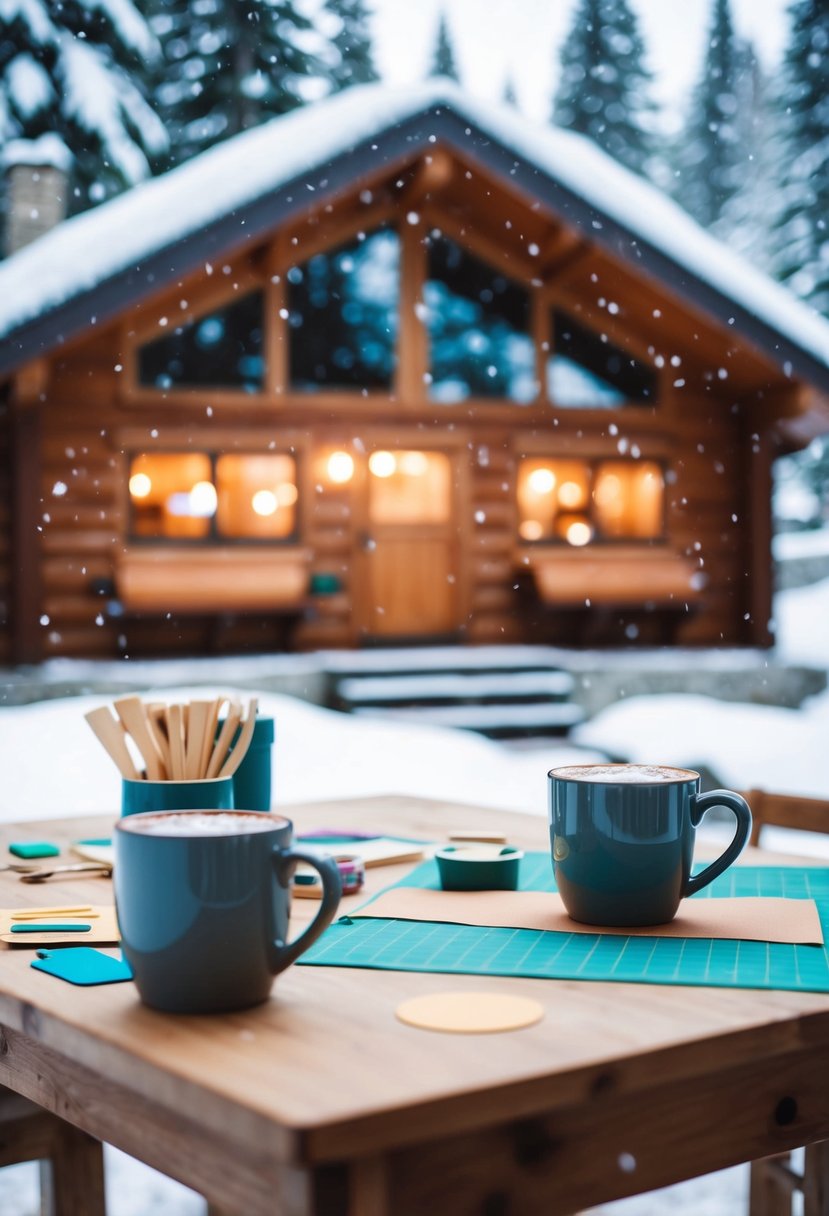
[(84, 867), (40, 927), (372, 850), (479, 836), (531, 953), (478, 867), (82, 965), (110, 732), (228, 730), (470, 1012), (94, 850), (101, 919), (240, 745), (34, 848), (307, 884), (131, 712)]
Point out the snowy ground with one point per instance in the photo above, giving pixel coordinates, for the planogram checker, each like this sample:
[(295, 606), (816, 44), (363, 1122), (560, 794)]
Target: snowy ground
[(745, 745)]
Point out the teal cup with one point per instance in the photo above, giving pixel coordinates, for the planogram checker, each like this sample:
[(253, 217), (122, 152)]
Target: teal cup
[(252, 779), (203, 901), (622, 839), (138, 797)]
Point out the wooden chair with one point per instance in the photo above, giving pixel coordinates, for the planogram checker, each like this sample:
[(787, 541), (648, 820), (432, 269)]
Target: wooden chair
[(71, 1162), (774, 1180)]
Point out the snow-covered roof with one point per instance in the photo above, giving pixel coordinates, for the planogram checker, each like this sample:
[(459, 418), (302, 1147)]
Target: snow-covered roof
[(47, 149), (104, 259)]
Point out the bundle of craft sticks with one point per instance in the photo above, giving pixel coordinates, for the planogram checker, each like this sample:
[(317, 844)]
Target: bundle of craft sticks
[(157, 742)]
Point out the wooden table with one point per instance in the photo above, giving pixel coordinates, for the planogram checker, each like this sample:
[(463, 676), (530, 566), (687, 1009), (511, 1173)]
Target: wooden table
[(322, 1102)]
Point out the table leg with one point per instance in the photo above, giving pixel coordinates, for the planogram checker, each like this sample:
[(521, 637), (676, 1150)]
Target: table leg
[(816, 1180)]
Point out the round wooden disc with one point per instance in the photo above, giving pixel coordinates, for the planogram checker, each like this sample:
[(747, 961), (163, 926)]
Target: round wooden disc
[(470, 1012)]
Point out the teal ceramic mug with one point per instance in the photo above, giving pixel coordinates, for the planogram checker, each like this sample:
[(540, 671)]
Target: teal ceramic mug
[(622, 839), (138, 797), (203, 901)]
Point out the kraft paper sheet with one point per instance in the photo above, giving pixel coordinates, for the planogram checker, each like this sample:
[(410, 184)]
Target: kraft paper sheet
[(747, 918)]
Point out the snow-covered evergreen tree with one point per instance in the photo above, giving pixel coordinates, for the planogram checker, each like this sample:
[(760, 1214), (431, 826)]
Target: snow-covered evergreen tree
[(73, 69), (604, 83), (510, 97), (747, 218), (228, 66), (443, 59), (355, 62), (801, 257), (710, 160)]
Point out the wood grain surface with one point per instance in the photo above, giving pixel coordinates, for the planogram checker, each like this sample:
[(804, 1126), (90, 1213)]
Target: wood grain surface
[(322, 1098)]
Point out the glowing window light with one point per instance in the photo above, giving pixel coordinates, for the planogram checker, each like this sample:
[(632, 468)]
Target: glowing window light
[(531, 529), (286, 494), (542, 481), (579, 533), (140, 485), (264, 502), (340, 467), (203, 499), (570, 494), (382, 464), (414, 464)]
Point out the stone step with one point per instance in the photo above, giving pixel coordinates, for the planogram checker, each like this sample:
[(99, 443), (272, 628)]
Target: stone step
[(435, 688), (496, 721)]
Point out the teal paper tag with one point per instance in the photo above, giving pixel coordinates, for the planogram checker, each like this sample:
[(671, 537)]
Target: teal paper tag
[(40, 927), (82, 965), (34, 848)]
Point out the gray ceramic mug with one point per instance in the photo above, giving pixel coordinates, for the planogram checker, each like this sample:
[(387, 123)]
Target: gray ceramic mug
[(622, 839), (203, 899)]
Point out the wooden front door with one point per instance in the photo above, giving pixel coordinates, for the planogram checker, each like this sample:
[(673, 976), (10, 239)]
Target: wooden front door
[(409, 546)]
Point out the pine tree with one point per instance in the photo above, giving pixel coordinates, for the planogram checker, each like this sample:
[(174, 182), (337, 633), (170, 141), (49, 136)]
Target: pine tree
[(603, 87), (228, 66), (355, 64), (710, 160), (510, 96), (443, 60), (747, 218), (73, 69), (801, 240)]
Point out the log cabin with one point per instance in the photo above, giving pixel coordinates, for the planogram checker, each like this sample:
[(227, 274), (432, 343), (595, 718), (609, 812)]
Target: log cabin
[(398, 366)]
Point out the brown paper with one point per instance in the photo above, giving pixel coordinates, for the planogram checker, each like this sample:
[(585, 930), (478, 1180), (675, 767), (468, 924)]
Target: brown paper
[(104, 928), (752, 918)]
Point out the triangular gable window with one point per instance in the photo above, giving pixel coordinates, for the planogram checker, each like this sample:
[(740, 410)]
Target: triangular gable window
[(585, 372), (478, 322), (223, 349), (343, 308)]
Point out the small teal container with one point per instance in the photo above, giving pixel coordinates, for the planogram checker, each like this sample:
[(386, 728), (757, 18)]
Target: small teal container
[(252, 779)]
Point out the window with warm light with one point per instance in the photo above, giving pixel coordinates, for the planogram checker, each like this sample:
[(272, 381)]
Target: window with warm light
[(478, 322), (201, 497), (409, 487), (579, 501), (221, 350), (343, 308), (586, 371)]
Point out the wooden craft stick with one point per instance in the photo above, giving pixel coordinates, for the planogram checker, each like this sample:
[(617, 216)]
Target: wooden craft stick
[(210, 734), (110, 732), (54, 911), (36, 916), (231, 723), (157, 723), (196, 727), (242, 743), (131, 712), (175, 735)]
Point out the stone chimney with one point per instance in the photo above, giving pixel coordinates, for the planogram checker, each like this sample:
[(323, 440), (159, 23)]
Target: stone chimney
[(36, 188)]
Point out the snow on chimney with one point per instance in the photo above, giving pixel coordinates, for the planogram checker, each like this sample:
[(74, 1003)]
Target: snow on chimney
[(36, 188)]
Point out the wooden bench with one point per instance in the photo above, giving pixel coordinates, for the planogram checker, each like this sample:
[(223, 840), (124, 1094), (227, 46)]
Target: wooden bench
[(611, 577), (223, 580)]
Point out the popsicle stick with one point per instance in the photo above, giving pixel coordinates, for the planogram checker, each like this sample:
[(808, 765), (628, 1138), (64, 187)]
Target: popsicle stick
[(242, 743), (38, 916), (110, 732), (175, 735), (196, 727), (229, 727), (131, 712), (157, 722), (210, 734), (60, 910)]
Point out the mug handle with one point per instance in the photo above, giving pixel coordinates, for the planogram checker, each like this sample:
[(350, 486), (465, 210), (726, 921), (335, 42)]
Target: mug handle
[(700, 803), (284, 862)]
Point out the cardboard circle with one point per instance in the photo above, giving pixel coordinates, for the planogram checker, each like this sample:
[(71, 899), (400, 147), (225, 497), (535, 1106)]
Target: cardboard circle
[(470, 1012)]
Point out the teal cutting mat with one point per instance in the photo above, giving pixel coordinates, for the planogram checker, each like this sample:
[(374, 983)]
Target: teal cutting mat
[(399, 945)]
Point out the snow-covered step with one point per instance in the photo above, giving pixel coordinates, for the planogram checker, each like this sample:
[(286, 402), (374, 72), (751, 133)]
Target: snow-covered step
[(499, 721), (435, 687)]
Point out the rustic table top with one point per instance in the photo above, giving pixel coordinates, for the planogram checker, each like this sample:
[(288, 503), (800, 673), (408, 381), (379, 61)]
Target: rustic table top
[(324, 1073)]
